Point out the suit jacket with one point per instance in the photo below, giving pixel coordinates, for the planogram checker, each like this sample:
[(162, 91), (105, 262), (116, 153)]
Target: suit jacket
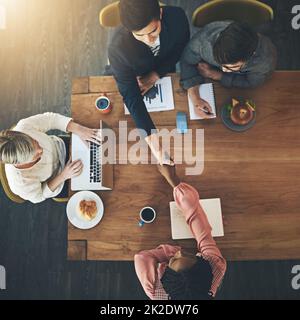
[(130, 58)]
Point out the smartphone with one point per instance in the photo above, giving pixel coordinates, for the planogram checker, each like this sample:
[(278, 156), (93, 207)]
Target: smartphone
[(181, 122)]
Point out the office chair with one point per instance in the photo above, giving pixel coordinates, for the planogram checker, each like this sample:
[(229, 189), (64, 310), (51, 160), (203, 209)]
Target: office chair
[(61, 200), (252, 12), (13, 197)]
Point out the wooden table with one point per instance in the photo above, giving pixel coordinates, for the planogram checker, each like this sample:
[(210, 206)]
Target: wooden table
[(256, 174)]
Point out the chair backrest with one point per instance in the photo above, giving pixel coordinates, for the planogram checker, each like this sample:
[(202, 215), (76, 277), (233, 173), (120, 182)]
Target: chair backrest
[(109, 16), (13, 197), (252, 12)]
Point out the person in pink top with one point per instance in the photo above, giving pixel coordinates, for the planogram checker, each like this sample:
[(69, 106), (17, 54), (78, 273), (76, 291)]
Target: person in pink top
[(168, 272)]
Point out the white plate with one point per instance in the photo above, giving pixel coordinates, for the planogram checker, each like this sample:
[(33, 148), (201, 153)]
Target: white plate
[(76, 220)]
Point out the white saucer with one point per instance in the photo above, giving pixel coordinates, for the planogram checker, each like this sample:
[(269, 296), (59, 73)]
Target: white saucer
[(73, 216)]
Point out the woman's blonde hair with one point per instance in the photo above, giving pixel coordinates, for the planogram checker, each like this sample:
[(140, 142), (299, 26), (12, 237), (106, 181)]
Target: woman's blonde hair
[(15, 147)]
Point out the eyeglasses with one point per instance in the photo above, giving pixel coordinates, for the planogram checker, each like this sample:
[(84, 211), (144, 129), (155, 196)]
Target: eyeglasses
[(241, 67)]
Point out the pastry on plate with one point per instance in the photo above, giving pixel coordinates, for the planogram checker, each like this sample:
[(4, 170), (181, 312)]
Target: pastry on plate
[(241, 113), (87, 209)]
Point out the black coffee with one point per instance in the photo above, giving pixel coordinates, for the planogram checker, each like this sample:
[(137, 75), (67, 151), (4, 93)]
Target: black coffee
[(102, 104), (147, 215)]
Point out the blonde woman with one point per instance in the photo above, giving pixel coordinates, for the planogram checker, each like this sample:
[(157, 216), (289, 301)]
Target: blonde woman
[(35, 162)]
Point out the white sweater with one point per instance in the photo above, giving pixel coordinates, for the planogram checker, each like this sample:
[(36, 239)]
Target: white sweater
[(31, 184)]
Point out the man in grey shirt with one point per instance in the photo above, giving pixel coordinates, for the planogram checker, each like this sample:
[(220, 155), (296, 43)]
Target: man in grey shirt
[(229, 52)]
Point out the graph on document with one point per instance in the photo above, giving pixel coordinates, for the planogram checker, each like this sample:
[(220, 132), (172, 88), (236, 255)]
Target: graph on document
[(159, 96), (164, 100)]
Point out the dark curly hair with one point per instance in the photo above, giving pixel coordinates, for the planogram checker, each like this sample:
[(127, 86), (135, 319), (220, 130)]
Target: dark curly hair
[(190, 284), (235, 43), (137, 14)]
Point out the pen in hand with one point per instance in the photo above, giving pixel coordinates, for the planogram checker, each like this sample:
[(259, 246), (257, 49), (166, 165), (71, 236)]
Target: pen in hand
[(206, 111)]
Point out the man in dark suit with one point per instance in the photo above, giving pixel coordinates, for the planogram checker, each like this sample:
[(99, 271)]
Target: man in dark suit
[(145, 48)]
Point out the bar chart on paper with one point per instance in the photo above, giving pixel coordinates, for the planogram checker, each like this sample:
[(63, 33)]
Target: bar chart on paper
[(164, 99)]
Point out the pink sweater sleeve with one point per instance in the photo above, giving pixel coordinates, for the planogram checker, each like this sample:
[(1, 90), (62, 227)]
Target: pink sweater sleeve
[(187, 199), (146, 265)]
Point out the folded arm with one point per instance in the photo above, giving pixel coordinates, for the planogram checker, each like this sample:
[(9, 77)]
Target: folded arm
[(33, 190), (44, 122), (247, 80), (189, 74), (146, 264)]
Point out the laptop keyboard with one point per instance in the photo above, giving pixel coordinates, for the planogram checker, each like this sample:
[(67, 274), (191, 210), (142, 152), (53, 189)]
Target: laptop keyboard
[(95, 163)]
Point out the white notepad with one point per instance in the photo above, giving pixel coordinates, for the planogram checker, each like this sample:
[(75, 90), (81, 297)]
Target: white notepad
[(206, 91), (212, 208), (164, 100)]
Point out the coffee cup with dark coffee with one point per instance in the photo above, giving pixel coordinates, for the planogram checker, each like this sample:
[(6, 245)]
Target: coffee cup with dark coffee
[(147, 215), (103, 104)]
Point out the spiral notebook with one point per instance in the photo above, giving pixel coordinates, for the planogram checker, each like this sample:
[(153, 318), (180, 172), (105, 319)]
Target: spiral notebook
[(213, 211), (206, 91)]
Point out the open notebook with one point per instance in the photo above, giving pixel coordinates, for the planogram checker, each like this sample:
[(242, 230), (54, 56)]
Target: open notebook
[(212, 208), (206, 91)]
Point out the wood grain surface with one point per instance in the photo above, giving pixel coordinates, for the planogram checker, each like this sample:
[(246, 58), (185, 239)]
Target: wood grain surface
[(252, 172)]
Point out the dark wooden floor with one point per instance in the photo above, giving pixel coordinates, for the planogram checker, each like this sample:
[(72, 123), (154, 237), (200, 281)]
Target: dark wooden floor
[(48, 42)]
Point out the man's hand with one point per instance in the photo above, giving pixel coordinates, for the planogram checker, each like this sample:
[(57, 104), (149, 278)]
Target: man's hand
[(208, 72), (202, 107), (169, 173), (155, 145), (147, 82)]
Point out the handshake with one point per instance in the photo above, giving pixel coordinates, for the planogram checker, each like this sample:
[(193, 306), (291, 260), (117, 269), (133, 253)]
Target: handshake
[(169, 173)]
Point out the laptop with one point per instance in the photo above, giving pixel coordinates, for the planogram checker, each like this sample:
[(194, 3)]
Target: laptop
[(212, 209), (95, 175)]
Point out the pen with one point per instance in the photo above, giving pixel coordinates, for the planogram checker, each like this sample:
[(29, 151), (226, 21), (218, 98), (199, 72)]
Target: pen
[(206, 111)]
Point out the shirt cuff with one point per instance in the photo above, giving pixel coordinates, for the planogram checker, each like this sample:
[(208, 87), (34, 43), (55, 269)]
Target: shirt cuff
[(64, 123), (48, 193), (178, 186)]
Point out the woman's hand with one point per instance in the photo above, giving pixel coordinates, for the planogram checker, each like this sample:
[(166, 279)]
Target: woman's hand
[(169, 173), (84, 133), (72, 169)]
